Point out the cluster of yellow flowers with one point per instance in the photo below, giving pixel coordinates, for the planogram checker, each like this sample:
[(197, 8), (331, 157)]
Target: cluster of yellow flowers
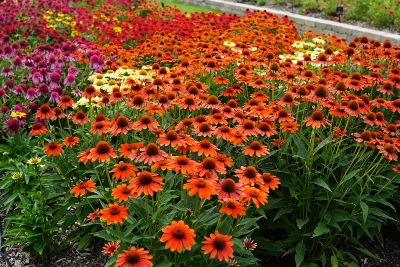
[(60, 21)]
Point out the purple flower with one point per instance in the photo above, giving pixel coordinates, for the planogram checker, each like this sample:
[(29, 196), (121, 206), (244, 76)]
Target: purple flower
[(55, 79), (77, 92), (54, 97), (37, 77), (308, 11), (9, 84), (11, 126), (43, 89), (31, 94), (7, 73), (17, 62), (96, 62), (72, 71), (69, 80), (33, 107), (3, 94), (4, 109)]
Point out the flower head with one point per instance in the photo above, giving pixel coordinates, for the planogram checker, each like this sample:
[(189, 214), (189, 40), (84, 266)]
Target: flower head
[(176, 235), (114, 214), (218, 245), (134, 258)]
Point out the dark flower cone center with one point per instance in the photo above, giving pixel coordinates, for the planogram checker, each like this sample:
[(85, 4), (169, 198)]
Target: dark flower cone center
[(163, 99), (122, 167), (102, 147), (266, 178), (193, 90), (391, 128), (171, 135), (182, 161), (288, 98), (205, 127), (264, 127), (321, 91), (152, 149), (132, 257), (389, 148), (250, 172), (205, 144), (219, 243), (366, 136), (200, 183), (371, 116), (125, 191), (145, 178), (157, 81), (189, 101), (228, 185), (145, 119), (114, 211), (353, 105), (231, 205), (37, 126), (283, 113), (209, 163), (255, 145), (45, 109), (99, 125), (178, 233), (80, 115), (53, 145), (317, 116), (138, 100), (248, 125), (122, 122), (212, 100)]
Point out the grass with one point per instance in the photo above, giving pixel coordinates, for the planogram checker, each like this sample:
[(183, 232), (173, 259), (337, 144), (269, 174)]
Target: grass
[(185, 7)]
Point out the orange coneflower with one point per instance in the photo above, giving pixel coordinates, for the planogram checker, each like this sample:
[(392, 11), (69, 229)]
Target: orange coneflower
[(209, 166), (255, 149), (110, 247), (79, 118), (248, 128), (389, 151), (256, 195), (93, 215), (221, 80), (70, 141), (223, 132), (218, 245), (170, 138), (233, 208), (147, 183), (126, 149), (52, 149), (120, 124), (188, 102), (248, 175), (212, 102), (123, 192), (99, 127), (37, 129), (290, 126), (204, 129), (270, 181), (182, 164), (177, 234), (184, 124), (90, 91), (204, 147), (217, 118), (59, 114), (204, 188), (83, 187), (83, 157), (124, 171), (227, 161), (267, 129), (65, 101), (103, 151), (316, 120), (150, 154), (228, 188), (114, 213), (45, 112), (145, 122), (237, 138), (134, 258)]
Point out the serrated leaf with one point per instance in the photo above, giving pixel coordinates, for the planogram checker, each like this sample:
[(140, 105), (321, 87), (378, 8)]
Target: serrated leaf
[(320, 229), (322, 183), (365, 209), (300, 252), (301, 223)]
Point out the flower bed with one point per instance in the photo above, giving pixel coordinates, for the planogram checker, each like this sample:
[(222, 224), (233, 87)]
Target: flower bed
[(185, 139)]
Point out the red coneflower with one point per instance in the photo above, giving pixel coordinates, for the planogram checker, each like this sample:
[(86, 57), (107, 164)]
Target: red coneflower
[(134, 258), (227, 161), (145, 122), (59, 113), (270, 181), (65, 101), (204, 147), (248, 175), (316, 120), (267, 129), (79, 118), (255, 149), (124, 171), (147, 183), (256, 195), (127, 149), (210, 167), (110, 247), (37, 129), (204, 129), (122, 193), (70, 141), (170, 138), (389, 151), (237, 138), (248, 128), (102, 152), (233, 208), (182, 164), (45, 112), (90, 91), (99, 127), (204, 188), (52, 149), (228, 188), (150, 154), (218, 245), (290, 126), (177, 235), (83, 187), (114, 213), (120, 124)]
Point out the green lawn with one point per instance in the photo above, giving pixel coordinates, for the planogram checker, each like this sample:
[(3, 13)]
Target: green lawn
[(185, 7)]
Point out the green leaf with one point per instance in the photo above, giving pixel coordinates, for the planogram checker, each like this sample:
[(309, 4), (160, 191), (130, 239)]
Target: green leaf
[(300, 252), (320, 229), (321, 182), (103, 234), (164, 263), (301, 149), (350, 175), (85, 240), (322, 144), (301, 223), (334, 261), (364, 208), (282, 211)]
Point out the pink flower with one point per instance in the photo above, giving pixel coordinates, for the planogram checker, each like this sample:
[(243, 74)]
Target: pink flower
[(31, 94), (69, 80), (37, 78)]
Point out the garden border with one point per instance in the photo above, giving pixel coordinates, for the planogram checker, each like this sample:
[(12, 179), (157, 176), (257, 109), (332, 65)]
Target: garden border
[(302, 23)]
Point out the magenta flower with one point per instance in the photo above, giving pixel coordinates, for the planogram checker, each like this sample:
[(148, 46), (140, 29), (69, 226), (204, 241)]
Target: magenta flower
[(11, 126), (96, 62), (55, 79), (3, 94), (37, 78), (54, 97), (72, 70), (31, 94), (69, 80)]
